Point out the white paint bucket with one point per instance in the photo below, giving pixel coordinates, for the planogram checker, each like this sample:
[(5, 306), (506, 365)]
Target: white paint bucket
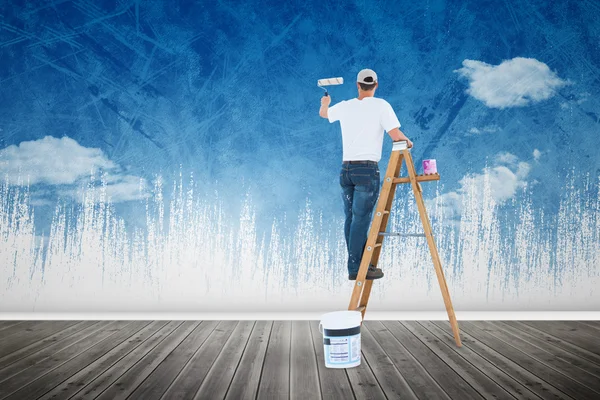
[(341, 338)]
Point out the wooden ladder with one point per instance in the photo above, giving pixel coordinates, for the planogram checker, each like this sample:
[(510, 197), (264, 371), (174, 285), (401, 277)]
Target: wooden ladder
[(377, 232)]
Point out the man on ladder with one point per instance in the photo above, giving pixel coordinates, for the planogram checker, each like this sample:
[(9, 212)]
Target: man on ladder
[(363, 121)]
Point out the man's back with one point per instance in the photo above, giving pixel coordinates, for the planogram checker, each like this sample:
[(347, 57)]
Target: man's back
[(363, 123)]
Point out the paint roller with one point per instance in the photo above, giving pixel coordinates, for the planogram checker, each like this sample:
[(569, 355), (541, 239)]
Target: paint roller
[(329, 82)]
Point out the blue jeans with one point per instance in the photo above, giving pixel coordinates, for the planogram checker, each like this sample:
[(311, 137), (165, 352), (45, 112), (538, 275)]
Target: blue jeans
[(360, 189)]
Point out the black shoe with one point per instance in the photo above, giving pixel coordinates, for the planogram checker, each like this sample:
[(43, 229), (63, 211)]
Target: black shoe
[(372, 274)]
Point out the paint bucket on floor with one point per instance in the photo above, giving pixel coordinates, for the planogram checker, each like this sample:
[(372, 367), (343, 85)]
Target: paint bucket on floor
[(341, 338)]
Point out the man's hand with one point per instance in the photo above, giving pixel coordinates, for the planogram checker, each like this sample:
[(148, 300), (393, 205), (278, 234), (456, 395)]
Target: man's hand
[(325, 101), (398, 136)]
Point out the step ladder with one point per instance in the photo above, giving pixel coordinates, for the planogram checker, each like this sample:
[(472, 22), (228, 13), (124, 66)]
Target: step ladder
[(377, 232)]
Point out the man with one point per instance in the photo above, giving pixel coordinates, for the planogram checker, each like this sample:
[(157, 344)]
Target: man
[(363, 121)]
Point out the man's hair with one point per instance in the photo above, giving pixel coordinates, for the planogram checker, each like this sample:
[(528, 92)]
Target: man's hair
[(367, 86)]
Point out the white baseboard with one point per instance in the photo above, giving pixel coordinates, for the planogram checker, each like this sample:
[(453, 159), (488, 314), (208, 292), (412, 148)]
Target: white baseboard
[(371, 315)]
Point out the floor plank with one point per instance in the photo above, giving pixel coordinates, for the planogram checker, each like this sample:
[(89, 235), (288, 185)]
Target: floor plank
[(544, 357), (87, 374), (363, 381), (510, 367), (485, 386), (421, 383), (557, 342), (566, 332), (63, 372), (389, 378), (582, 326), (25, 326), (246, 378), (220, 376), (16, 364), (274, 380), (35, 371), (507, 382), (304, 377), (90, 390), (333, 382), (8, 324), (448, 379), (184, 355), (551, 376), (133, 377), (581, 363), (45, 346), (593, 324), (191, 374), (23, 338)]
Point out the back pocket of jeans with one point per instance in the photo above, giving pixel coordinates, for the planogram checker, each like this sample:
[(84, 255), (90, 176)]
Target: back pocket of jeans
[(364, 179)]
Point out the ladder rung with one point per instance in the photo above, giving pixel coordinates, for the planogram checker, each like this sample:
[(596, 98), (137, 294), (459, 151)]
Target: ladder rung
[(420, 178), (377, 245), (361, 308), (402, 234)]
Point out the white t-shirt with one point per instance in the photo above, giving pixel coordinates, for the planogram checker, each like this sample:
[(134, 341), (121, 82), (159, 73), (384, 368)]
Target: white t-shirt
[(363, 123)]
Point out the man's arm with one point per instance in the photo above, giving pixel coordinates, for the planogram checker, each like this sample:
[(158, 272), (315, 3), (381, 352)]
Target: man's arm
[(397, 136), (325, 101)]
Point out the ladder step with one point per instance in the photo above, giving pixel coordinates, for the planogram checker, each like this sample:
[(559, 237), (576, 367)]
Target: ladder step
[(420, 178), (361, 308), (402, 234)]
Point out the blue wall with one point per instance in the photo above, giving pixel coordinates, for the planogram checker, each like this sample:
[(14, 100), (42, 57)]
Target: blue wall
[(222, 97)]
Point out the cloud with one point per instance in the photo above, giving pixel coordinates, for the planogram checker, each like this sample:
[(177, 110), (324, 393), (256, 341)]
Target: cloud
[(506, 158), (513, 83), (504, 178), (52, 161), (63, 161), (487, 129), (536, 154), (117, 189)]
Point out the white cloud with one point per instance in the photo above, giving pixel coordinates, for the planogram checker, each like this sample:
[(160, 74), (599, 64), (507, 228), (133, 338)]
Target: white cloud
[(506, 158), (486, 129), (52, 161), (583, 97), (536, 154), (117, 189), (63, 161), (504, 179), (513, 83)]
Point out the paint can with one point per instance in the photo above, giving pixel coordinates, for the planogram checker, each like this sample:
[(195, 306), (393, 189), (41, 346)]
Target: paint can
[(429, 167), (341, 338)]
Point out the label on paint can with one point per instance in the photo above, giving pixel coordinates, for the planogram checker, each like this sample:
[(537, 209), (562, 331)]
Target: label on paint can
[(343, 350)]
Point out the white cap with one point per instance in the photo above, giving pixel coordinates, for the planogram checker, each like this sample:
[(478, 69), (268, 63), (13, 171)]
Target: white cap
[(367, 76)]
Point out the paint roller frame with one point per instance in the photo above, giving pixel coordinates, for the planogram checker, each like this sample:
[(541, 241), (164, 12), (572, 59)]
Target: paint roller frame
[(329, 82)]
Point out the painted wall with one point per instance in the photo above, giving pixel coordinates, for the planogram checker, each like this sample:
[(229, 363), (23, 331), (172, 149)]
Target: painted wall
[(168, 155)]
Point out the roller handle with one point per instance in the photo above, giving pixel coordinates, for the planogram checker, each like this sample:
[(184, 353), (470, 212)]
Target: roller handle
[(326, 94)]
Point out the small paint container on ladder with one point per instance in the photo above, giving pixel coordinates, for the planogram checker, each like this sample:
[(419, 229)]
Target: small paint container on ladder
[(341, 338), (429, 167)]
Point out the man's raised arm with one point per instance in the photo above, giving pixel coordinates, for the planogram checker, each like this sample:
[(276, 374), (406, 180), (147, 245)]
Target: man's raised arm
[(325, 101)]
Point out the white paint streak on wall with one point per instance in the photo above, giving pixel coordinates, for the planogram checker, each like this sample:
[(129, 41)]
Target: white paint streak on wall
[(195, 256)]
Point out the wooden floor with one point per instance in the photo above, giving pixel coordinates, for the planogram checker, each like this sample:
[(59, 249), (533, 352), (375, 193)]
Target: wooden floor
[(284, 359)]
